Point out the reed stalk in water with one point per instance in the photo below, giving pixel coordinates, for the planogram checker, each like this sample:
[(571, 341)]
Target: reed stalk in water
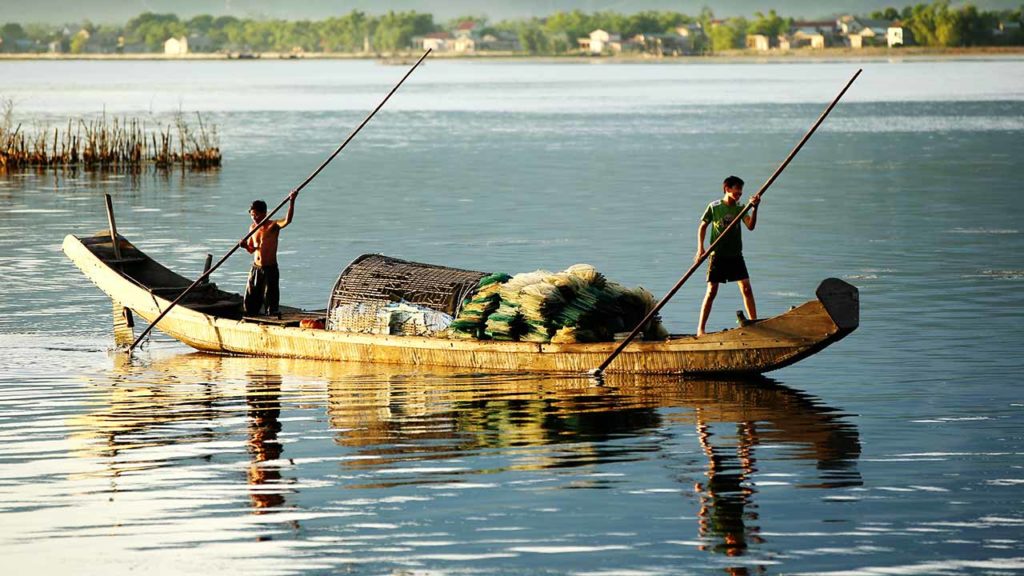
[(118, 143)]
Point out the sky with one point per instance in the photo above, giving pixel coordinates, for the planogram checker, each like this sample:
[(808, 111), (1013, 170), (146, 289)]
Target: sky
[(119, 11)]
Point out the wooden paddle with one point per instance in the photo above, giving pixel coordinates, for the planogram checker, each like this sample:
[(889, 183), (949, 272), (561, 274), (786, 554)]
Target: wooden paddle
[(309, 179), (753, 200)]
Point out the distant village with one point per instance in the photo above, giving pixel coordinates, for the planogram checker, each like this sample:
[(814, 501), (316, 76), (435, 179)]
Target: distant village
[(690, 39), (645, 34)]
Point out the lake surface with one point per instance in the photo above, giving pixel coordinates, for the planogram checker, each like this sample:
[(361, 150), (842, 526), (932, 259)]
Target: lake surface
[(899, 450)]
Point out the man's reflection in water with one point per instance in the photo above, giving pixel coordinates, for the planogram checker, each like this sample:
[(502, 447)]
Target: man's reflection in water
[(263, 397), (726, 497)]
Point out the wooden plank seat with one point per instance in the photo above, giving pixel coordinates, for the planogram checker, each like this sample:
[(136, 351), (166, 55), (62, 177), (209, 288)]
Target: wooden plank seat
[(125, 261), (225, 308), (199, 292), (288, 317)]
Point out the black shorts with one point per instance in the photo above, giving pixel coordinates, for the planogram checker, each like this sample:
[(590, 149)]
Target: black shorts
[(726, 269)]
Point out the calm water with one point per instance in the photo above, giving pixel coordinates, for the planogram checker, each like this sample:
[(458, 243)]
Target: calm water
[(899, 450)]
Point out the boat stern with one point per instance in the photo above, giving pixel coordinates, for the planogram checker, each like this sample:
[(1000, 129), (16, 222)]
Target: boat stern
[(842, 302)]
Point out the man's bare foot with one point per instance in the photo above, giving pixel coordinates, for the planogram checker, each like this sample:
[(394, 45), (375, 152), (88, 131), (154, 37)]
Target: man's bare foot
[(700, 333)]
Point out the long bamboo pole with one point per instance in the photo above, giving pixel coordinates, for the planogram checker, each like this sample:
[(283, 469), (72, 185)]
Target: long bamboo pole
[(753, 200), (309, 179)]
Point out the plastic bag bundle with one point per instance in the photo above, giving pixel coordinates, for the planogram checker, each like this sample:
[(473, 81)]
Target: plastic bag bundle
[(587, 273), (497, 278), (565, 335), (365, 318), (476, 310), (540, 301), (506, 323), (536, 332), (567, 284), (399, 318), (510, 289), (406, 319), (655, 330), (578, 308), (574, 335), (576, 305), (645, 302), (481, 304)]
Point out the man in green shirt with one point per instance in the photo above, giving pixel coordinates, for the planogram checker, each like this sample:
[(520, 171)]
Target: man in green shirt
[(726, 262)]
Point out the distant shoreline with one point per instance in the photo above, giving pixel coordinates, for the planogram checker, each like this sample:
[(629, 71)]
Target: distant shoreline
[(742, 56)]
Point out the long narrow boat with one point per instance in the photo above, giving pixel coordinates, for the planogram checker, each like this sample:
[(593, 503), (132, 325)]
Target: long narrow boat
[(210, 319)]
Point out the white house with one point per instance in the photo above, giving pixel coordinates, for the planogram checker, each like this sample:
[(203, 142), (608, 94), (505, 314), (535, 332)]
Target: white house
[(176, 46), (813, 34), (894, 36), (601, 40), (464, 44), (861, 32), (691, 35), (759, 42), (466, 37), (437, 41), (805, 37)]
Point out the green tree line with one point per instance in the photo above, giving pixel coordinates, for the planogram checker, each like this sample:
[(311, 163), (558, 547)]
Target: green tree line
[(940, 24), (147, 32), (937, 24)]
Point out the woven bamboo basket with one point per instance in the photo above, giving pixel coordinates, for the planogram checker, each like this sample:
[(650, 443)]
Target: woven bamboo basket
[(377, 280)]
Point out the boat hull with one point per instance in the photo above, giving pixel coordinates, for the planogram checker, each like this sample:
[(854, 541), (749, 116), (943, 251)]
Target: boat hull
[(761, 347)]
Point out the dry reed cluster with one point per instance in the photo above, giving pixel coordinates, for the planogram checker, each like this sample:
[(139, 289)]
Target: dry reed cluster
[(123, 143)]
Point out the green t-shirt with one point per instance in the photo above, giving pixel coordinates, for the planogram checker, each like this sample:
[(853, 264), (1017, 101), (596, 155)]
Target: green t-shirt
[(719, 215)]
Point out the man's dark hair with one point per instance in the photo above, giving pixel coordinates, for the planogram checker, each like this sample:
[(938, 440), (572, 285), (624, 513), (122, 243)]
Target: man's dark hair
[(733, 181), (258, 206)]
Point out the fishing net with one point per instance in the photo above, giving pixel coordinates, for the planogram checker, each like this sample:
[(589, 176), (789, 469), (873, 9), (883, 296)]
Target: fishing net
[(506, 323), (396, 318), (381, 295), (587, 274), (577, 304)]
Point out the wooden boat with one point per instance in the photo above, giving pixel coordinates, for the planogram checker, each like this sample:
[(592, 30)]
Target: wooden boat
[(210, 319)]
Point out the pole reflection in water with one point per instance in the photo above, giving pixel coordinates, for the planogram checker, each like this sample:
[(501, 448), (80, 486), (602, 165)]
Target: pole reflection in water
[(359, 435), (128, 410)]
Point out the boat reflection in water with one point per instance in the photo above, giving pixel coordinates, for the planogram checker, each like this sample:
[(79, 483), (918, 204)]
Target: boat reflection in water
[(382, 423)]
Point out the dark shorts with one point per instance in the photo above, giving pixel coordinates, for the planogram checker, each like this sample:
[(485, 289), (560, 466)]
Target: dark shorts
[(262, 289), (726, 269)]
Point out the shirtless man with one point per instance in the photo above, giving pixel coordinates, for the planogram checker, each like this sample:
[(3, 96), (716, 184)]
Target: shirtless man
[(262, 287), (726, 263)]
